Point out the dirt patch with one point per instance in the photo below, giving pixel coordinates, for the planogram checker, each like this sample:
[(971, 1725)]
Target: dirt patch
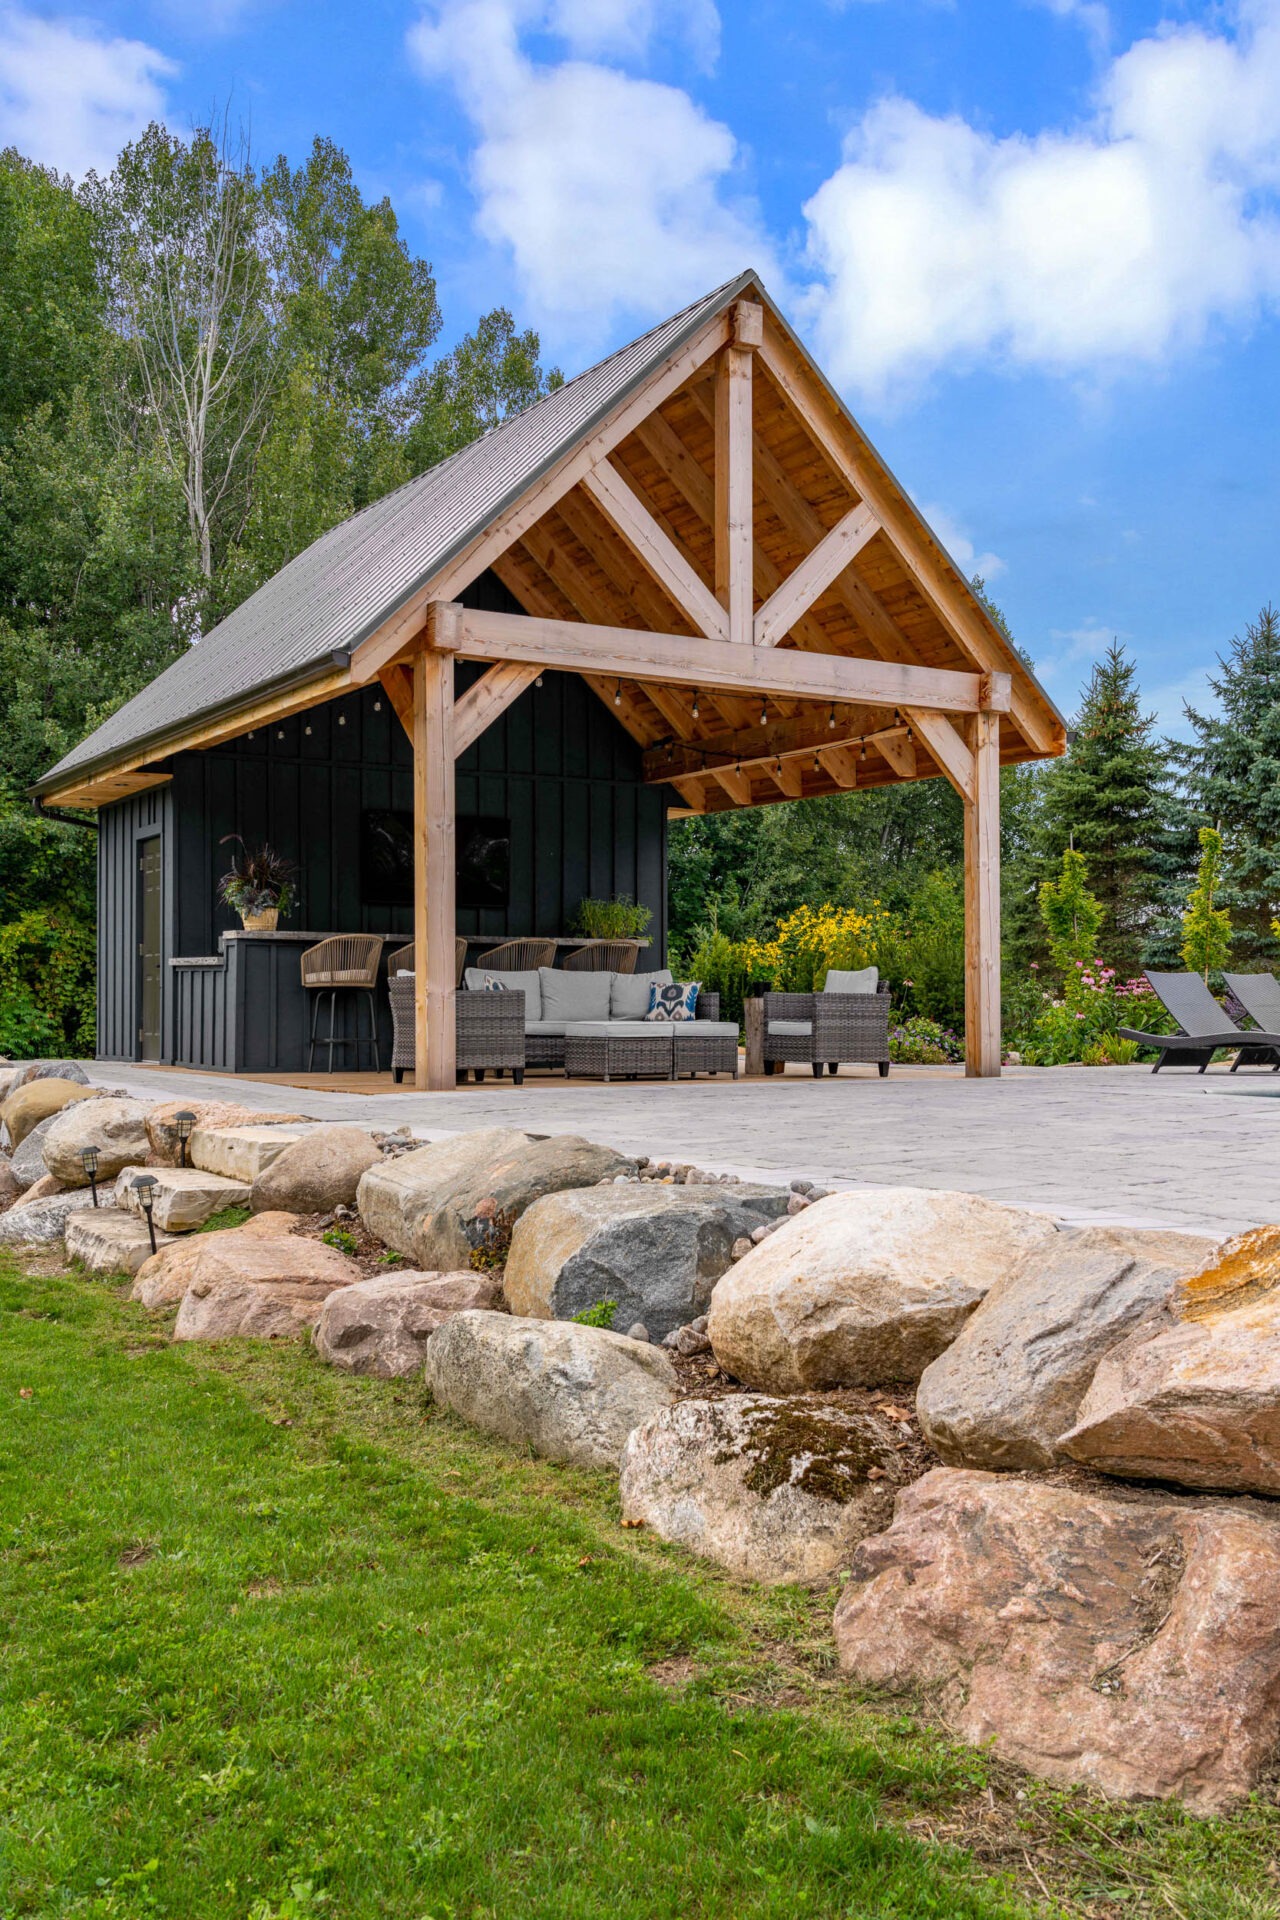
[(675, 1673), (136, 1556), (374, 1258)]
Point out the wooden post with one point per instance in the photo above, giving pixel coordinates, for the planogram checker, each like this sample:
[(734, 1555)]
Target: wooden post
[(753, 1024), (435, 1037), (734, 529), (982, 903)]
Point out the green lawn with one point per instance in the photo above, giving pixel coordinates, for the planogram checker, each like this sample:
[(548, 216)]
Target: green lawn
[(276, 1643)]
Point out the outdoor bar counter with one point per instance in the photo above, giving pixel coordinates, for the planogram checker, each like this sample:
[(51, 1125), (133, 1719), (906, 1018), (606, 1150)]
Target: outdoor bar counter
[(244, 1009)]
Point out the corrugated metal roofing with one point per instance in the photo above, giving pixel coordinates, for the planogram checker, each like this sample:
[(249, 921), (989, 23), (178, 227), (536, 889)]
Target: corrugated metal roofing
[(355, 576)]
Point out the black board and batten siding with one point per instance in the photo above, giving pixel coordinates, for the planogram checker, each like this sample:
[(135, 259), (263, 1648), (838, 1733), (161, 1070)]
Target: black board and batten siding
[(557, 765)]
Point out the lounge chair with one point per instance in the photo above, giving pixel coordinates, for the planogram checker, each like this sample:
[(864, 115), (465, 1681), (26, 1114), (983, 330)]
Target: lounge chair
[(1205, 1027), (1259, 995)]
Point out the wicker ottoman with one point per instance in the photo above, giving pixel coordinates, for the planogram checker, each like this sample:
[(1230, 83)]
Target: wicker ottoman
[(705, 1046), (618, 1050)]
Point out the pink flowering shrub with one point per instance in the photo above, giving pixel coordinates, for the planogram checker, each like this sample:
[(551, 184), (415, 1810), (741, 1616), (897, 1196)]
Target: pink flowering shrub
[(1082, 1025)]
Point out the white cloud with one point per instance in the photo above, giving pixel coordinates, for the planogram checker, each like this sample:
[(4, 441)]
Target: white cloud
[(1090, 15), (69, 96), (1072, 649), (615, 195), (988, 566), (1118, 241)]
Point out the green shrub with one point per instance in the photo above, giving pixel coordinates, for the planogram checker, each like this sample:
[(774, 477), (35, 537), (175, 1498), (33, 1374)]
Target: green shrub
[(343, 1241), (47, 976), (601, 1315)]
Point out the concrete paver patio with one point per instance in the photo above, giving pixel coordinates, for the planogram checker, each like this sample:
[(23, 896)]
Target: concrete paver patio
[(1091, 1144)]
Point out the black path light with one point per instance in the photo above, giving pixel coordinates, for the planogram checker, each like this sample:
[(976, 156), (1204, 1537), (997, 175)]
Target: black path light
[(183, 1123), (145, 1187), (89, 1161)]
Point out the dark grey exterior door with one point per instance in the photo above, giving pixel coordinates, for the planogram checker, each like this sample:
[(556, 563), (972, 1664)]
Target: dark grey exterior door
[(149, 957)]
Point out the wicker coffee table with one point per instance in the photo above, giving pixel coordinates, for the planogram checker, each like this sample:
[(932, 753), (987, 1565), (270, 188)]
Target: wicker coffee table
[(619, 1050)]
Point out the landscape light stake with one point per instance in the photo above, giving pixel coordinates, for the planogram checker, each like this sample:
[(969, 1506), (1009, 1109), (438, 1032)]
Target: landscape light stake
[(183, 1123), (89, 1161), (145, 1187)]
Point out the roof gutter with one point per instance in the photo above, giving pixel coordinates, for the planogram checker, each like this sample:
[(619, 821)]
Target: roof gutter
[(152, 745), (66, 819)]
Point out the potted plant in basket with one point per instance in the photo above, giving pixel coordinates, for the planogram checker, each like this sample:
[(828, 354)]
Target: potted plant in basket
[(258, 886)]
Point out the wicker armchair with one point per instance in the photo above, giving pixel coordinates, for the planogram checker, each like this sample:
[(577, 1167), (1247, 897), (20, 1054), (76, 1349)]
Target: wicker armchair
[(345, 963), (603, 956), (490, 1031), (402, 960), (519, 956), (830, 1027)]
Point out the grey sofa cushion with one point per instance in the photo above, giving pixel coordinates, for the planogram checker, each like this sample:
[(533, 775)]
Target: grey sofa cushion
[(629, 993), (865, 980), (574, 996), (616, 1029), (791, 1029), (549, 1029), (527, 983), (706, 1030)]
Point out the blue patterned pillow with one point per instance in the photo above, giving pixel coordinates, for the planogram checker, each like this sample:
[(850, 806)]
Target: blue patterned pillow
[(493, 986), (674, 1001)]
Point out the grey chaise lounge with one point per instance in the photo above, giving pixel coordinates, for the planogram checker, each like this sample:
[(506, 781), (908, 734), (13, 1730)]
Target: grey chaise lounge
[(1205, 1028), (1259, 995)]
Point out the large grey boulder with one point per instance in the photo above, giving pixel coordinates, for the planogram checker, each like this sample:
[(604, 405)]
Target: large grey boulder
[(382, 1326), (1193, 1395), (60, 1070), (443, 1202), (656, 1251), (317, 1173), (116, 1128), (1125, 1641), (9, 1188), (772, 1489), (571, 1393), (865, 1288), (1010, 1384), (104, 1240), (27, 1162), (41, 1223)]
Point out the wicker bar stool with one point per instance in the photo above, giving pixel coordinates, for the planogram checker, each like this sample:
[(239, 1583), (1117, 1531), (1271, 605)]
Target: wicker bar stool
[(519, 956), (603, 956), (401, 961), (345, 963)]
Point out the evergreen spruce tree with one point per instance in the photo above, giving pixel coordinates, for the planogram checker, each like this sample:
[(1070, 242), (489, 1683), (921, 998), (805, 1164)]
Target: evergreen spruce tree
[(1109, 798), (1231, 774)]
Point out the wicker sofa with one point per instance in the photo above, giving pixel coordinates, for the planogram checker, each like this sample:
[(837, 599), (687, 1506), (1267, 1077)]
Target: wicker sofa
[(530, 1013), (847, 1022)]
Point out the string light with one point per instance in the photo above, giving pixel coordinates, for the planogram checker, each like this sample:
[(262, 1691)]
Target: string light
[(538, 681), (764, 713), (377, 706), (280, 733), (617, 695), (863, 754), (307, 731), (817, 764), (695, 703), (342, 719), (831, 720)]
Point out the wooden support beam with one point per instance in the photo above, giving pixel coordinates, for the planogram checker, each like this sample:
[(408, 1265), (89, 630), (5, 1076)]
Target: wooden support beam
[(100, 792), (814, 575), (675, 710), (400, 628), (787, 776), (655, 551), (670, 455), (434, 916), (918, 555), (691, 792), (735, 784), (489, 698), (803, 735), (982, 904), (734, 527), (883, 632), (679, 660), (842, 764), (397, 684), (898, 751)]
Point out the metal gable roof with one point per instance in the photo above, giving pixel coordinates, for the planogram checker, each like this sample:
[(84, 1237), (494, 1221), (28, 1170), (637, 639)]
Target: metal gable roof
[(343, 586)]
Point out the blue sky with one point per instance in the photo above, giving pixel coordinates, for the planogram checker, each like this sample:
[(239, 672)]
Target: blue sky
[(1036, 243)]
